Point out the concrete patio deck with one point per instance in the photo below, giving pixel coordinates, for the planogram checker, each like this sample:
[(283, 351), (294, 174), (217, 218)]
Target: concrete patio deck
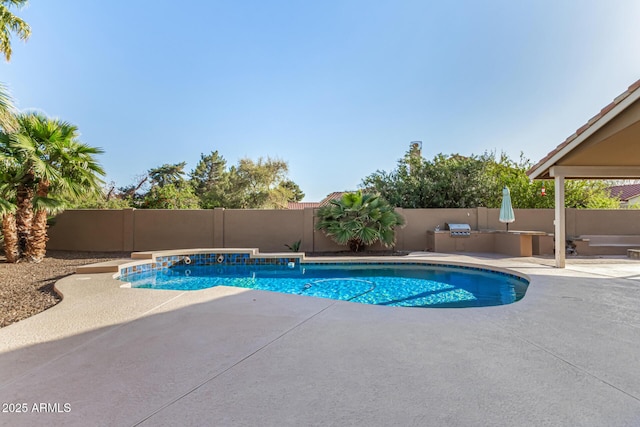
[(566, 354)]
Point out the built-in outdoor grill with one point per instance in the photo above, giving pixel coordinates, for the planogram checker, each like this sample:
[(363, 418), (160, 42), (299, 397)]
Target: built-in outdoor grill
[(458, 230)]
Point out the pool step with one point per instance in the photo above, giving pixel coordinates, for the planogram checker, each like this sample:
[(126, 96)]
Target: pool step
[(102, 267)]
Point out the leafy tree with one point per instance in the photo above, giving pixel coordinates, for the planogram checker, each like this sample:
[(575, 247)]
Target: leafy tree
[(209, 180), (106, 198), (209, 172), (589, 194), (293, 190), (163, 187), (133, 195), (167, 174), (248, 185), (524, 193), (457, 181), (581, 194), (169, 189), (47, 165), (280, 196), (171, 196), (9, 23), (252, 183), (358, 220), (446, 182), (464, 182)]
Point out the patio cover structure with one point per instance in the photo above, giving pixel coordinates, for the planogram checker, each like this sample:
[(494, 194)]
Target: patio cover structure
[(606, 147)]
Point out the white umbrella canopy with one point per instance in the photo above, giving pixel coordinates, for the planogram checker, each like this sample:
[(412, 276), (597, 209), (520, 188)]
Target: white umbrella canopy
[(506, 210)]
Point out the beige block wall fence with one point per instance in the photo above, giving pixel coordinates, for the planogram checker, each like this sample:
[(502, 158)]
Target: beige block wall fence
[(269, 230)]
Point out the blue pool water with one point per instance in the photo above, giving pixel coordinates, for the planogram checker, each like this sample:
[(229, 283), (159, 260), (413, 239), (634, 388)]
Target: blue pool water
[(382, 284)]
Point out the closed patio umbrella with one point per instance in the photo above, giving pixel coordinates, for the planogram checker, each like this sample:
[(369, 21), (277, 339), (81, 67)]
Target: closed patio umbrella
[(506, 211)]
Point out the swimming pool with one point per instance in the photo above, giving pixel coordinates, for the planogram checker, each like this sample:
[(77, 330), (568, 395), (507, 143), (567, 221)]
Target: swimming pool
[(391, 284)]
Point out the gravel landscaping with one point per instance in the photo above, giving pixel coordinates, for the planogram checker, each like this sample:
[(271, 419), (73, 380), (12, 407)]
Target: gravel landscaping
[(27, 289)]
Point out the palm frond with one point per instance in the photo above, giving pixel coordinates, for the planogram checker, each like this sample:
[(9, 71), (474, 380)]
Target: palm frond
[(387, 237), (367, 235), (6, 207), (52, 206), (11, 24), (341, 236)]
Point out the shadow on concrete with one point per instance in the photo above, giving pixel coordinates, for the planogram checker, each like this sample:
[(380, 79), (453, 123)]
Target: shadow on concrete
[(261, 358)]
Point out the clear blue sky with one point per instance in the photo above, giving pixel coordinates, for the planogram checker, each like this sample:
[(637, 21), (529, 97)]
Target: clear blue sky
[(338, 89)]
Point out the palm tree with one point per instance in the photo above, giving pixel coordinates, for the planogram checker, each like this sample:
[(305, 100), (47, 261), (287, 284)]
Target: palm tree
[(8, 173), (7, 203), (10, 234), (9, 23), (358, 220), (7, 116), (53, 165)]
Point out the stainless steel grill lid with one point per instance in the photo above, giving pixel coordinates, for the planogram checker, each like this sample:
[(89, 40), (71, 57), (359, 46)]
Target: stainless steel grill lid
[(458, 230)]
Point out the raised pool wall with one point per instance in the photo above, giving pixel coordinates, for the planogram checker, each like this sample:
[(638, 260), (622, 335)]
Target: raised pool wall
[(270, 230), (154, 261)]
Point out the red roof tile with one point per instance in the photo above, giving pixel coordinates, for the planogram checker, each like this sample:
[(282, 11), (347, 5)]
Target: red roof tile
[(625, 192), (336, 195), (302, 205)]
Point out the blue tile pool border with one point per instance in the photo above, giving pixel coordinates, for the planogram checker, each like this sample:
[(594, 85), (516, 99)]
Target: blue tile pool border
[(214, 258), (247, 258)]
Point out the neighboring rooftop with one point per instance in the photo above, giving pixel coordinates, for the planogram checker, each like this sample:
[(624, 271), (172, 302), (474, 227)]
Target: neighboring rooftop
[(302, 205), (336, 195), (625, 192)]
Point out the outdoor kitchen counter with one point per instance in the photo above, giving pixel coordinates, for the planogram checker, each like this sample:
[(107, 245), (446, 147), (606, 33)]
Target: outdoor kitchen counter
[(512, 242)]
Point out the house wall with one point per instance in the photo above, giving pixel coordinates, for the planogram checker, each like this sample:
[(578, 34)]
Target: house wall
[(271, 230)]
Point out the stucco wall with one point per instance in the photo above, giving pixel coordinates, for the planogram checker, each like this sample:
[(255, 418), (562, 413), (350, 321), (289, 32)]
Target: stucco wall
[(172, 229), (89, 230), (600, 221), (270, 230), (526, 219)]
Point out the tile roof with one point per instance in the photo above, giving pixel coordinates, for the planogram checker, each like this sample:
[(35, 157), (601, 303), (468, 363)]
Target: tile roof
[(336, 195), (302, 205), (625, 192), (593, 120)]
